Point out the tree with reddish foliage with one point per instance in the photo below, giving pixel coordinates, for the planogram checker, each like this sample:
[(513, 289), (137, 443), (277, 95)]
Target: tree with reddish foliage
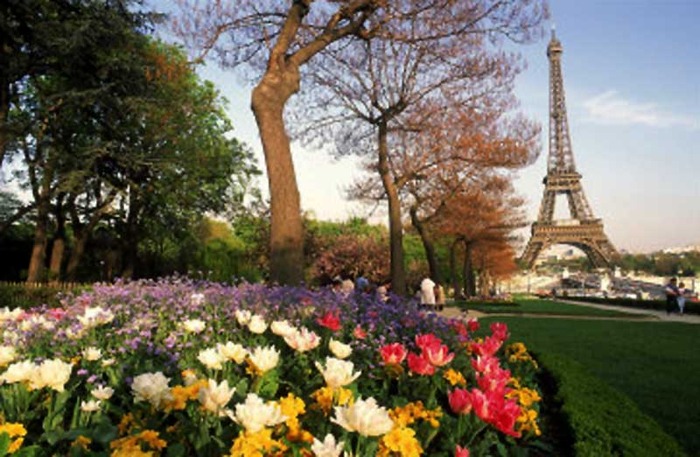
[(480, 220), (278, 39), (453, 154), (467, 151)]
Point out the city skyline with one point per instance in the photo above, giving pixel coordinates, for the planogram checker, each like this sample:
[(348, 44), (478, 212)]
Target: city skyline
[(632, 99)]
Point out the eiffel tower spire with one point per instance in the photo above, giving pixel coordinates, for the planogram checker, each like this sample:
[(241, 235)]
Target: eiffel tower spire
[(583, 230)]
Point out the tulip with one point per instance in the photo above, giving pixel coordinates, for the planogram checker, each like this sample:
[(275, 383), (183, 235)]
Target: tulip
[(364, 417)]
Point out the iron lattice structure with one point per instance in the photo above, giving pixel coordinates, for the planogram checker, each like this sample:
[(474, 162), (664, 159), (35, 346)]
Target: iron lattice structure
[(583, 230)]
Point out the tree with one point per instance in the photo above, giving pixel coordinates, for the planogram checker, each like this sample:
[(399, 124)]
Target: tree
[(56, 54), (37, 37), (388, 97), (121, 126), (279, 39), (480, 218)]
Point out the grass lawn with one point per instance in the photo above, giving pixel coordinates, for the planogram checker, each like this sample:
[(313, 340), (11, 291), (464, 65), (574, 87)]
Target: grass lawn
[(539, 306), (656, 364)]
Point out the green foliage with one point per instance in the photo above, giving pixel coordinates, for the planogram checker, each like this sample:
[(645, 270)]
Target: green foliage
[(223, 254), (662, 263), (592, 406), (650, 362)]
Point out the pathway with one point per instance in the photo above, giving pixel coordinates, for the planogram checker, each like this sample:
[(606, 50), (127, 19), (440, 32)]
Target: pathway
[(452, 312)]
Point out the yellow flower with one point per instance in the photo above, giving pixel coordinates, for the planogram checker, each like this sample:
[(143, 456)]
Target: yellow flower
[(517, 352), (454, 377), (258, 444), (326, 397), (125, 424), (128, 447), (151, 438), (526, 397), (14, 430), (400, 441), (82, 442), (182, 394), (527, 422), (292, 406), (408, 414), (132, 445)]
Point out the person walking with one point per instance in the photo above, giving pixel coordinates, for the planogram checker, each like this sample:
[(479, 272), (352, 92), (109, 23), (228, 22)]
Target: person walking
[(672, 294)]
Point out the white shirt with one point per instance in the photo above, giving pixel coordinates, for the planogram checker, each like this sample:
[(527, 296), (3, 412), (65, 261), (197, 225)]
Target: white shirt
[(427, 292)]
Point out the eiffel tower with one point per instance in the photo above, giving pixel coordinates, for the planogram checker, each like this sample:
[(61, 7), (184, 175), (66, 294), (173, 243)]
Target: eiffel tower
[(583, 230)]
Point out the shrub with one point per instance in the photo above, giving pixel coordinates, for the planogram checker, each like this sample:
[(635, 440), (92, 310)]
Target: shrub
[(603, 420)]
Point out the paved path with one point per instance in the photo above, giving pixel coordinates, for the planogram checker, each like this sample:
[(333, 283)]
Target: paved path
[(655, 315)]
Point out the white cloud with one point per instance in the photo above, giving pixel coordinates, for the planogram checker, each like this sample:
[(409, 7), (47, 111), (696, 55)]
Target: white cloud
[(610, 108)]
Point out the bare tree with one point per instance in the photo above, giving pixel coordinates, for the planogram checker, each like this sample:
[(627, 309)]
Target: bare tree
[(277, 39), (416, 108)]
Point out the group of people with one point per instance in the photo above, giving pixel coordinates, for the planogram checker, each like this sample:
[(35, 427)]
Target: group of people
[(675, 296), (347, 286), (432, 295)]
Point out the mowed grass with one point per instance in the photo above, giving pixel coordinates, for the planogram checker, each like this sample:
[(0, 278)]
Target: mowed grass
[(656, 364), (539, 306)]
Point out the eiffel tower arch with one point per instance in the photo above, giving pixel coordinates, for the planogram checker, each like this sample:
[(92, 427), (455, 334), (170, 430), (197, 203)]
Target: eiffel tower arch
[(583, 230)]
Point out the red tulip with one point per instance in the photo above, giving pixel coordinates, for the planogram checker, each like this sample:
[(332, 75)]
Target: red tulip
[(460, 401), (427, 340), (330, 321), (499, 330), (419, 365), (393, 354), (461, 451), (438, 355)]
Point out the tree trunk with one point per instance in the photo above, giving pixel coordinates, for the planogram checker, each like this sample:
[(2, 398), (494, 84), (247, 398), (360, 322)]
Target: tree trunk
[(36, 262), (428, 245), (35, 272), (59, 243), (453, 270), (130, 237), (286, 230), (75, 256), (398, 273), (469, 279)]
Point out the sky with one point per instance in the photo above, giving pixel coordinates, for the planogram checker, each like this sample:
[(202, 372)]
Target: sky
[(631, 73)]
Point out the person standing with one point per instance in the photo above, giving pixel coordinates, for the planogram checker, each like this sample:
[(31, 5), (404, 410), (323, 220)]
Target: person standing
[(427, 293), (439, 297), (682, 291), (672, 294)]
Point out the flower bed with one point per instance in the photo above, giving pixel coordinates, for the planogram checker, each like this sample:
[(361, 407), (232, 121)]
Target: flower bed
[(180, 368)]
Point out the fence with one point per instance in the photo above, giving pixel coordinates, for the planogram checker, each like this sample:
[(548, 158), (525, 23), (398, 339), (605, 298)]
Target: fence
[(27, 295)]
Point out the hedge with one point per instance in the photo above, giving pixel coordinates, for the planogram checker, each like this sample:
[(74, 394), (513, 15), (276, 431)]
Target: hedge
[(603, 421)]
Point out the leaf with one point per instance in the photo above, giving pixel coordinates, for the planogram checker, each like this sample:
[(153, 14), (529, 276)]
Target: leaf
[(4, 443), (269, 384), (105, 432), (176, 450)]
